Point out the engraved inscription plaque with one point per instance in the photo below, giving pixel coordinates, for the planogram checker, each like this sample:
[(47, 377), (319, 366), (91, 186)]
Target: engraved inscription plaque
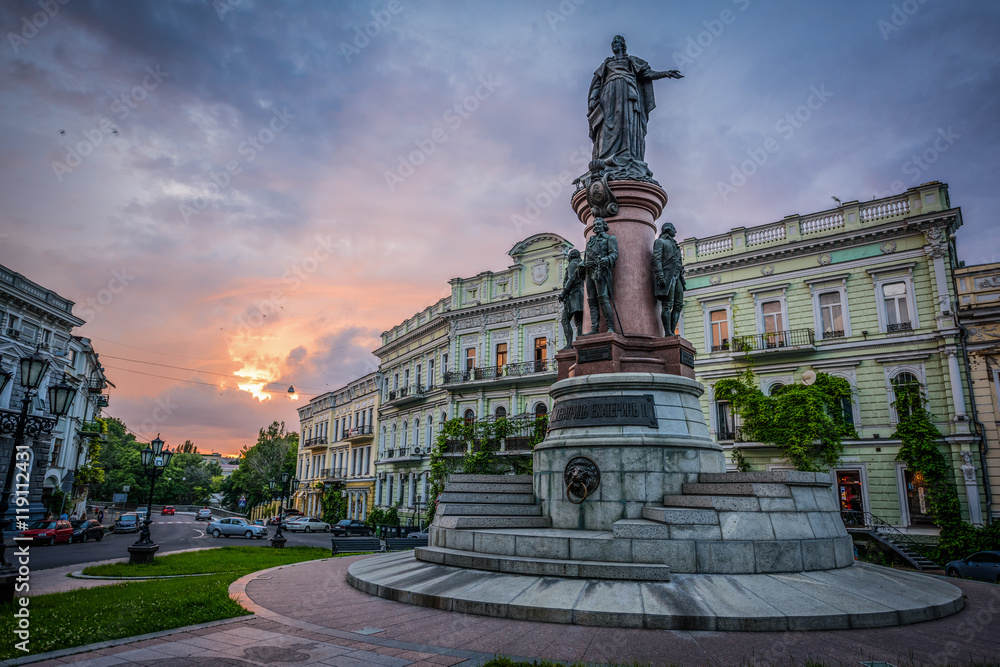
[(687, 358), (602, 353), (604, 411)]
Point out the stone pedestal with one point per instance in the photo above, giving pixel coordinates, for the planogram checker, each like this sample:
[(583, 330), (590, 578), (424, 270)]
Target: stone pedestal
[(140, 554), (639, 206), (613, 353), (605, 418), (278, 542)]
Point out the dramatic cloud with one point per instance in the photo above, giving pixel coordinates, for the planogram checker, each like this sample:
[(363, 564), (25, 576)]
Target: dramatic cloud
[(276, 183)]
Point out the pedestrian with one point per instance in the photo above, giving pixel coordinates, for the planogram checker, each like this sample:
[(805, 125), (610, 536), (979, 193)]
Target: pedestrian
[(73, 516), (63, 516), (100, 516)]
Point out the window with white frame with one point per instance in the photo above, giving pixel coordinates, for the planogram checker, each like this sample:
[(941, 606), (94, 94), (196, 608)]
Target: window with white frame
[(831, 315), (470, 358), (773, 323), (894, 299), (430, 373), (428, 438), (719, 336), (896, 305), (905, 393), (725, 424)]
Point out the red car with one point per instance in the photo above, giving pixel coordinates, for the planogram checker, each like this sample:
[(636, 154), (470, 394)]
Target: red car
[(49, 532), (169, 509)]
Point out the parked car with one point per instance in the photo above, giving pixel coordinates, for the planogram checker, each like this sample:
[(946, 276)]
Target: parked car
[(203, 515), (235, 526), (259, 522), (983, 565), (419, 535), (88, 529), (48, 532), (307, 524), (127, 523), (168, 510), (291, 511), (349, 527), (274, 521)]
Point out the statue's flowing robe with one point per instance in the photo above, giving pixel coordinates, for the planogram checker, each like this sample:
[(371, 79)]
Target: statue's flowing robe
[(624, 92)]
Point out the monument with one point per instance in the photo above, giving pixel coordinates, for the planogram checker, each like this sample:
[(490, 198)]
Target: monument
[(630, 518)]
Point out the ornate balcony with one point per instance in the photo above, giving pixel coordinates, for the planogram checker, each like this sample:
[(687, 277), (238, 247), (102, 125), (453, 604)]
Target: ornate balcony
[(793, 340), (896, 328), (102, 400), (405, 395), (523, 371), (319, 441), (358, 433)]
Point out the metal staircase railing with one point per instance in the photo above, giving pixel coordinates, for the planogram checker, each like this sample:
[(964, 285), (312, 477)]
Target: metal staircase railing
[(889, 535)]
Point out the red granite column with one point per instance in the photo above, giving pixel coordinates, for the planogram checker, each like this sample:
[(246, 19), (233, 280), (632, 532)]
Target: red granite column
[(639, 206)]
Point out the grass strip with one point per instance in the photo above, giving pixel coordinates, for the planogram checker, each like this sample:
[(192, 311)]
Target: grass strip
[(223, 559), (90, 615)]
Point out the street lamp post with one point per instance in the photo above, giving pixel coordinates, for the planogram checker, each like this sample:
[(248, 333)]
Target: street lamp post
[(283, 489), (33, 369), (420, 515), (155, 460)]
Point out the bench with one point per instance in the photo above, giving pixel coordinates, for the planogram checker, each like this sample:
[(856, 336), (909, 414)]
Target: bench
[(349, 545), (404, 543)]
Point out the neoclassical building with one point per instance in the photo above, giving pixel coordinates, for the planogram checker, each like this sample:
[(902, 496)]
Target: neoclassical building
[(979, 312), (487, 351), (863, 292), (33, 318), (336, 436)]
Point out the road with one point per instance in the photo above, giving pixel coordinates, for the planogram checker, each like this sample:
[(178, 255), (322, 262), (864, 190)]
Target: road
[(172, 533)]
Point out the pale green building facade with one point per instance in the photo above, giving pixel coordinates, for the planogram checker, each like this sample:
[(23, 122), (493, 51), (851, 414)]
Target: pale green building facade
[(864, 292)]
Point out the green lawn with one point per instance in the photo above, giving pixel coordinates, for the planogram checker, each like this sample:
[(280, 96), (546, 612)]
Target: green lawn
[(86, 616), (223, 559)]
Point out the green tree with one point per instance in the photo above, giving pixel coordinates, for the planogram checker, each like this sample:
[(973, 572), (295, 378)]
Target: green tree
[(805, 422), (273, 453), (332, 504), (187, 448)]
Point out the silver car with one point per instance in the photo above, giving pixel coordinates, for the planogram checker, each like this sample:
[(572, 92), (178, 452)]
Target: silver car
[(235, 526), (307, 524)]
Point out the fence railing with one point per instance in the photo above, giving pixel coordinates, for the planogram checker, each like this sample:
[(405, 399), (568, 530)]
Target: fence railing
[(774, 340), (521, 369)]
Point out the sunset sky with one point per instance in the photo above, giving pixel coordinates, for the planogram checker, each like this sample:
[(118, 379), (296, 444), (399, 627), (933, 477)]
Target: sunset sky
[(276, 183)]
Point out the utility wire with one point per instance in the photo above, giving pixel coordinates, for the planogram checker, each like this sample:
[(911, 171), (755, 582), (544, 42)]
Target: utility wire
[(195, 370), (207, 384)]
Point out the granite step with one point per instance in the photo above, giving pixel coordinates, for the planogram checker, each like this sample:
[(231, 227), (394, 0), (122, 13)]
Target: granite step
[(486, 498), (670, 515), (491, 521), (455, 509), (488, 487), (544, 567), (489, 479), (794, 477), (723, 503), (760, 490)]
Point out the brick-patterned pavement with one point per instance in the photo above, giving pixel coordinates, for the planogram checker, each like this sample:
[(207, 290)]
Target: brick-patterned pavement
[(307, 614)]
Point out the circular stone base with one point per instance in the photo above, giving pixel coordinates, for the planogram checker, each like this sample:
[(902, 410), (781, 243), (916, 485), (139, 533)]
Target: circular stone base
[(862, 596)]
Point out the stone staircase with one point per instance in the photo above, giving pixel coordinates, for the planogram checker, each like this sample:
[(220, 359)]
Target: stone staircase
[(489, 501)]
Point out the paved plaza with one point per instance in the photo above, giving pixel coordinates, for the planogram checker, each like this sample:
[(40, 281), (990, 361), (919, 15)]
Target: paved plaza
[(306, 614)]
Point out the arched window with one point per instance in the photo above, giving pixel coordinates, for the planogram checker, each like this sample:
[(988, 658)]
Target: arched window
[(393, 445), (541, 409), (470, 416), (416, 431), (906, 392), (403, 442), (775, 389), (500, 412), (430, 431)]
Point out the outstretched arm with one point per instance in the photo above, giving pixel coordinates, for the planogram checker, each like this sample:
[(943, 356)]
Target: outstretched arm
[(668, 74)]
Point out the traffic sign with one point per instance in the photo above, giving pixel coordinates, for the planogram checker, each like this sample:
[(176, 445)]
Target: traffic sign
[(243, 501)]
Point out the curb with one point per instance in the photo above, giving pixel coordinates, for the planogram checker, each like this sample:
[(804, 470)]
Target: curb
[(81, 575), (75, 650)]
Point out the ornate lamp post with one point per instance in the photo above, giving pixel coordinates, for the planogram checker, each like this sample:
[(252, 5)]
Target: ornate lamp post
[(33, 369), (155, 460), (283, 489)]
